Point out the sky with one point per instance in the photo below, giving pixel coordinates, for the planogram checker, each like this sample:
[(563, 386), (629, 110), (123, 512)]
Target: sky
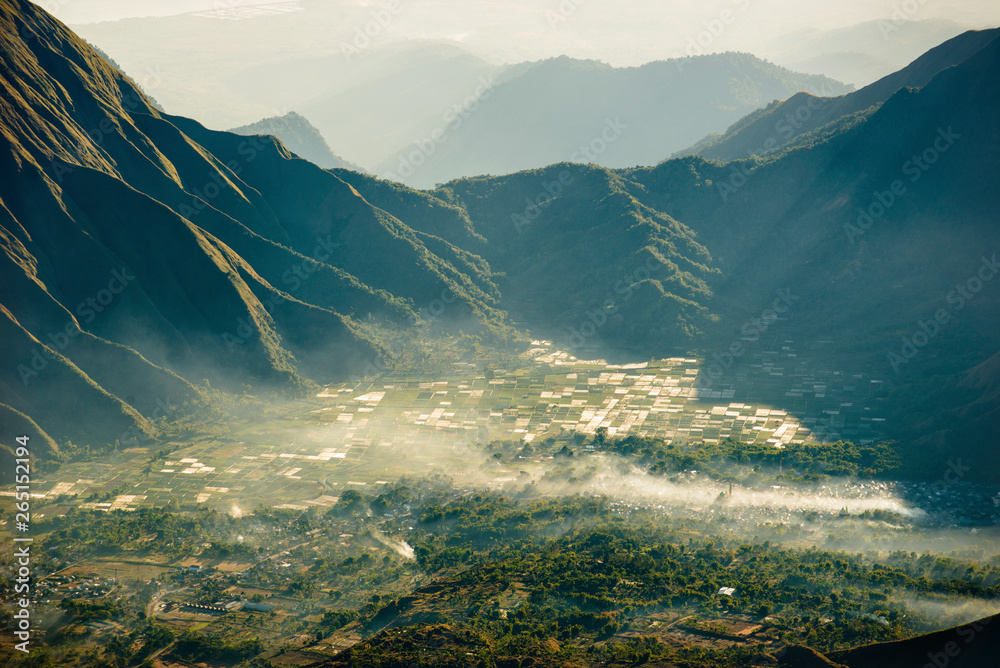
[(617, 18), (787, 13), (621, 32), (817, 14)]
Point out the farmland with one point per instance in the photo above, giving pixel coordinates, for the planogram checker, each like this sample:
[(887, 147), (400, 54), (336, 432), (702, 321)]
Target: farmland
[(374, 431)]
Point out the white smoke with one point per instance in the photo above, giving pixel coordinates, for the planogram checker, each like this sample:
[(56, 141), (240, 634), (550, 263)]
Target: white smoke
[(401, 547)]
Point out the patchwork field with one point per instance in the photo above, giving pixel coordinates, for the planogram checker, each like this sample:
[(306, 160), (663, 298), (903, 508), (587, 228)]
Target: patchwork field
[(363, 433)]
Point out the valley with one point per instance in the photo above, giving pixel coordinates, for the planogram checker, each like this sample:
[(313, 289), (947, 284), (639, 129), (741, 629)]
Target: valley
[(374, 431), (314, 537), (326, 529), (688, 362)]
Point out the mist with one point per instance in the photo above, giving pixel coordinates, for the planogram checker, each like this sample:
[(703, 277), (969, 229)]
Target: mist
[(945, 611), (523, 331)]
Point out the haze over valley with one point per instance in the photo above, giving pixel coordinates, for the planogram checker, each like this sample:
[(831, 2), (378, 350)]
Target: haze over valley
[(378, 334)]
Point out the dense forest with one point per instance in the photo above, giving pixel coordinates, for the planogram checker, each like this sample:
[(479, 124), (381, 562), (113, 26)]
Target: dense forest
[(569, 580)]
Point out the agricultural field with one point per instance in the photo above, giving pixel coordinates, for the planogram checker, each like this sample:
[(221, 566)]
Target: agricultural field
[(365, 433), (377, 505)]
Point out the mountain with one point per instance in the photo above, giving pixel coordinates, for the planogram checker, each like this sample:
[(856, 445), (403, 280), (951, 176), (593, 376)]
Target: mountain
[(230, 66), (801, 117), (300, 137), (739, 229), (876, 229), (546, 112), (967, 646), (569, 238), (374, 104), (378, 99), (862, 53), (185, 59), (823, 218), (144, 253), (878, 236), (115, 65)]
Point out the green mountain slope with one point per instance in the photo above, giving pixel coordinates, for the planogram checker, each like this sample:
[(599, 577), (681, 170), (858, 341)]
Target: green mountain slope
[(875, 229), (874, 267), (579, 253)]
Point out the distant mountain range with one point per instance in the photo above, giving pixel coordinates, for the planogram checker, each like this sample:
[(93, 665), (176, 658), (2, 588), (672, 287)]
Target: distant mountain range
[(144, 253), (394, 104), (372, 107), (804, 119), (300, 137), (451, 114), (865, 52), (586, 111)]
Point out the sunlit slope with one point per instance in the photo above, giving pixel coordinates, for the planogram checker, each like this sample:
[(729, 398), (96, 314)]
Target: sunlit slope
[(314, 206), (16, 424)]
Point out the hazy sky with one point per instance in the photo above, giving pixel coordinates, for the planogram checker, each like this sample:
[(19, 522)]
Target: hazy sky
[(760, 16), (621, 32), (788, 12)]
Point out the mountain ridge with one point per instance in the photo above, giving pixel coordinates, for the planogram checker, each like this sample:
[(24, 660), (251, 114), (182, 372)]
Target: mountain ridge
[(496, 132), (787, 123)]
